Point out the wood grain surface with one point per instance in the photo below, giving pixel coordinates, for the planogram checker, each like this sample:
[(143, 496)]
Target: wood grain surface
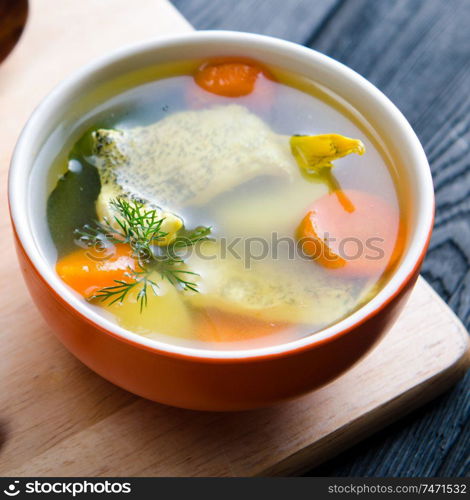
[(418, 53), (59, 418)]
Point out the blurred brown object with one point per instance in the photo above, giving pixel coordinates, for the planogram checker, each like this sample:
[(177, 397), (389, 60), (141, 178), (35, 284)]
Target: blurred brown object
[(13, 14)]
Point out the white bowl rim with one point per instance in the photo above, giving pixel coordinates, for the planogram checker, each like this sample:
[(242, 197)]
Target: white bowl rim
[(22, 160)]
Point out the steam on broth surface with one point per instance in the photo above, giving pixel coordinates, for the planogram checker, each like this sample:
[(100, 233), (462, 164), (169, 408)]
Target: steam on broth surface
[(225, 205)]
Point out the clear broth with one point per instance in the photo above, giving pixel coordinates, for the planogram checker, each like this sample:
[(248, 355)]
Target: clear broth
[(257, 208)]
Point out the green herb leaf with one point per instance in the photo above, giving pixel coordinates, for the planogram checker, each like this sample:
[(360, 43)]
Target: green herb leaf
[(72, 204)]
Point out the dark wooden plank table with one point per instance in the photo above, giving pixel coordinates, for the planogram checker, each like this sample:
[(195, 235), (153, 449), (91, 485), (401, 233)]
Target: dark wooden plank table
[(418, 53)]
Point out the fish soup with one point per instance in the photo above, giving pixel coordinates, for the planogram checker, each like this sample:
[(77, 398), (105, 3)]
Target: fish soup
[(224, 204)]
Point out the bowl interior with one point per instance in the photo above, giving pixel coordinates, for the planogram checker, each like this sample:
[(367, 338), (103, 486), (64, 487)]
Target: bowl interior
[(69, 102)]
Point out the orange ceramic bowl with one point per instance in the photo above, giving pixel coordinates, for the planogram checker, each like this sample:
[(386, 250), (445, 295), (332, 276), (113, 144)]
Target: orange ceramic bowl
[(198, 378)]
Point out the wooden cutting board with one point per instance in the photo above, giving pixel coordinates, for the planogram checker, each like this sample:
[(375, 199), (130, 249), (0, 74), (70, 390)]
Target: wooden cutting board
[(58, 418)]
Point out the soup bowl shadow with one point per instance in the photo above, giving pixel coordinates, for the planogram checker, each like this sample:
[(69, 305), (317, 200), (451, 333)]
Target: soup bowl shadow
[(199, 378)]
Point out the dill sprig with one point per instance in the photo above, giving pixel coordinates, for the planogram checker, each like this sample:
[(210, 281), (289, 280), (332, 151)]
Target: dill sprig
[(177, 278), (141, 229), (134, 224), (118, 292)]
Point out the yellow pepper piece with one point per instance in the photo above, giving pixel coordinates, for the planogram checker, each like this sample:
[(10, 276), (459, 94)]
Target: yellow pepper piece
[(164, 314), (314, 152)]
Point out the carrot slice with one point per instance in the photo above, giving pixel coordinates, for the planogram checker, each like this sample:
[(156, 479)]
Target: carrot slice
[(230, 77), (364, 241), (87, 271), (220, 79), (218, 326)]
